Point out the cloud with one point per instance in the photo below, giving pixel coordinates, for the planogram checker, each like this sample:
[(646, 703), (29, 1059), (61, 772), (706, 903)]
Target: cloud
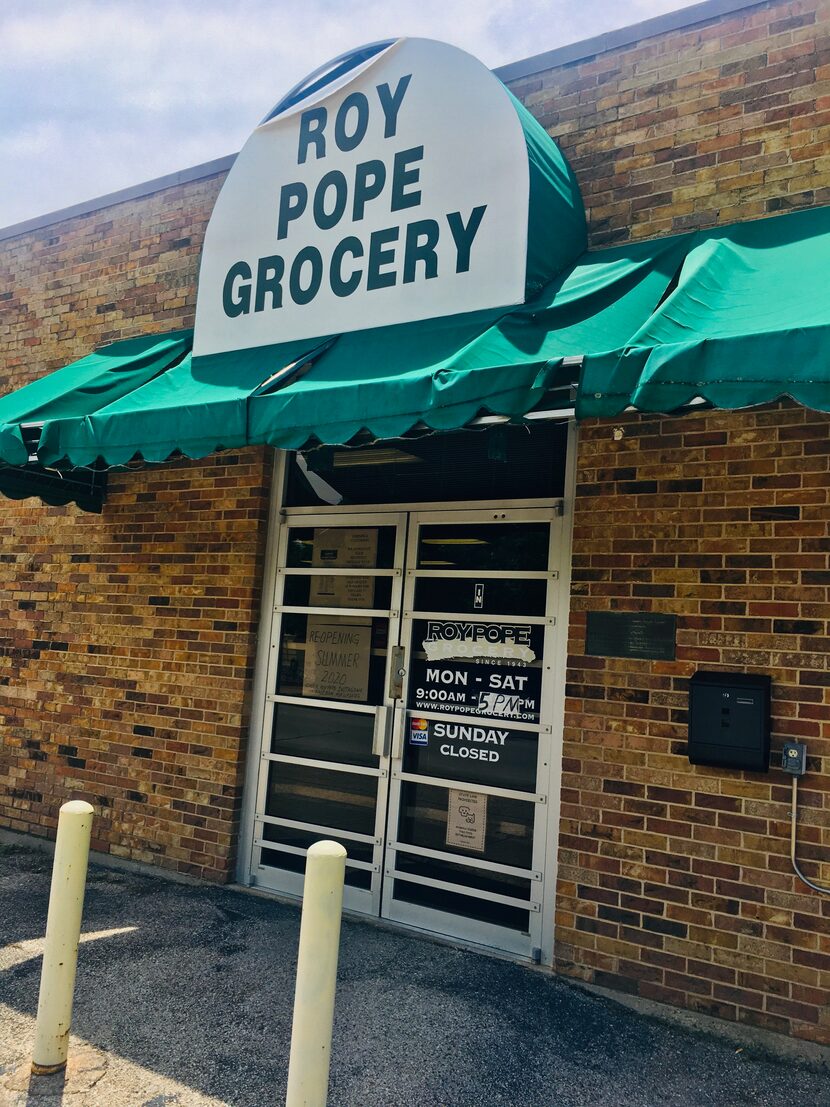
[(100, 94)]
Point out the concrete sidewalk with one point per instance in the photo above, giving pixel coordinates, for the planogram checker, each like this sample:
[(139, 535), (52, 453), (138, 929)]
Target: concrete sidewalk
[(184, 995)]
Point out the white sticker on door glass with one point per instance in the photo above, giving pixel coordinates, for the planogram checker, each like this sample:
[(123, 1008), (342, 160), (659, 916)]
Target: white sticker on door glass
[(447, 639)]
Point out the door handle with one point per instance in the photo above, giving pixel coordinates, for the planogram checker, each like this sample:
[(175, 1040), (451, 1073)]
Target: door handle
[(380, 735), (397, 672), (398, 727)]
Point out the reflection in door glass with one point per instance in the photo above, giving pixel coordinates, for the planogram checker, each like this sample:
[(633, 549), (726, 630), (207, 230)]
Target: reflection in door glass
[(338, 591), (516, 547), (303, 839), (307, 794), (323, 735), (470, 907), (481, 595), (333, 657), (295, 863), (467, 907), (459, 466)]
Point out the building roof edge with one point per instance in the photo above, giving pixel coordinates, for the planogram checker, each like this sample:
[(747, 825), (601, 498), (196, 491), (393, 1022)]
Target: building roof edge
[(514, 71), (625, 36), (145, 188)]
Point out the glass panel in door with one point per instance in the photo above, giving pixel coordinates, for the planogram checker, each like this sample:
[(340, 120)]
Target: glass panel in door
[(324, 770)]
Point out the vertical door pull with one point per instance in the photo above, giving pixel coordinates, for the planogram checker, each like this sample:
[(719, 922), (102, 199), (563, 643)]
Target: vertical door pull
[(398, 727), (380, 737)]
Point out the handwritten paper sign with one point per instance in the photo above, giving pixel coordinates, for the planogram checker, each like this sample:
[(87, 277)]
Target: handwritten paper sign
[(337, 659)]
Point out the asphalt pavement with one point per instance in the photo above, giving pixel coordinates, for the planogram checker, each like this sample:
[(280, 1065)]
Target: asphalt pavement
[(184, 997)]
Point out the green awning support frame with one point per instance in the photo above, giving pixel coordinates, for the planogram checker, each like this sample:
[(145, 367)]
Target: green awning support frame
[(85, 487)]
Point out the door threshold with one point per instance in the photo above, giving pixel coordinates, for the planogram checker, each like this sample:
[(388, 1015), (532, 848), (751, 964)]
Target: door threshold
[(393, 927)]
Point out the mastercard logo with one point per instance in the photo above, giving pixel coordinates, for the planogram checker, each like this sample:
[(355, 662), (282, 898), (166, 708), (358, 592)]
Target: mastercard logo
[(419, 724)]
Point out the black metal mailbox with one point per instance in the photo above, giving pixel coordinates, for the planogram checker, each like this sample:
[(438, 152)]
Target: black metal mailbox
[(729, 720)]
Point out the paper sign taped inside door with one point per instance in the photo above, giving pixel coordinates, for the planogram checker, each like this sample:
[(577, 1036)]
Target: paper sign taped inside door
[(337, 658), (467, 820), (343, 548)]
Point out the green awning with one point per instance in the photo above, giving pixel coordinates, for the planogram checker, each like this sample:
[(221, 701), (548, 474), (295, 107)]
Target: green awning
[(65, 396), (86, 386), (440, 372), (737, 316), (747, 323), (195, 408)]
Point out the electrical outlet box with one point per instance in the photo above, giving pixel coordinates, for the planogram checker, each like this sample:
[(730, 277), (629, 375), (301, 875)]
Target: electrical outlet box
[(729, 720), (794, 758)]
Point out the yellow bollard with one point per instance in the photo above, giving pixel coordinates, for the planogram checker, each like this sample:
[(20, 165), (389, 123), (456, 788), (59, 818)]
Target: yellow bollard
[(63, 930), (308, 1065)]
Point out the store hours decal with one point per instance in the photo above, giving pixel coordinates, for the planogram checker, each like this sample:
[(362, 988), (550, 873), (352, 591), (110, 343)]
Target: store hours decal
[(491, 670)]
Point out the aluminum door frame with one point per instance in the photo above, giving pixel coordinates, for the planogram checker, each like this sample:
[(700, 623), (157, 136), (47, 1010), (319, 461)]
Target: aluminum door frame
[(283, 881), (431, 919), (278, 516)]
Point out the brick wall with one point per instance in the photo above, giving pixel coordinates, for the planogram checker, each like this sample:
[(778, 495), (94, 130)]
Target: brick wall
[(125, 270), (126, 639), (675, 880), (723, 121), (125, 660)]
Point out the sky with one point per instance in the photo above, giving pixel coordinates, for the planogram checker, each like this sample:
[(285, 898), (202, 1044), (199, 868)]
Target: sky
[(97, 95)]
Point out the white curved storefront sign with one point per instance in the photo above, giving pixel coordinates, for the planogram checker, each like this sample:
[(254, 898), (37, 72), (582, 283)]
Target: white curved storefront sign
[(397, 193)]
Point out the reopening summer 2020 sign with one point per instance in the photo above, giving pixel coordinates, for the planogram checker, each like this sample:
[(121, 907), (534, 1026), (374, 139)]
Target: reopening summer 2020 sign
[(337, 658)]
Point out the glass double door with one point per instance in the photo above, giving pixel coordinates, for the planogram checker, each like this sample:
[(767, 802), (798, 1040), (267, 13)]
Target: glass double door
[(408, 715)]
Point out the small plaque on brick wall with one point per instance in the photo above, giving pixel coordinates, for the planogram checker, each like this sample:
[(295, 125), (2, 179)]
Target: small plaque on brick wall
[(631, 634)]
